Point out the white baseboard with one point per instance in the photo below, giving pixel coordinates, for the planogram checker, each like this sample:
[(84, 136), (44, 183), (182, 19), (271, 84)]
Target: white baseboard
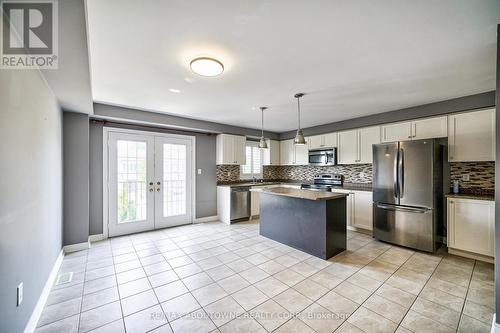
[(40, 304), (96, 238), (470, 255), (495, 328), (76, 247), (206, 219)]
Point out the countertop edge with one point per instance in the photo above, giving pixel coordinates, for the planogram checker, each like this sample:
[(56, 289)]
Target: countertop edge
[(470, 196), (329, 195)]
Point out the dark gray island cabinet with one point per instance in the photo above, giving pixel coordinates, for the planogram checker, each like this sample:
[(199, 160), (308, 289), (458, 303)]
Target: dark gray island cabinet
[(311, 221)]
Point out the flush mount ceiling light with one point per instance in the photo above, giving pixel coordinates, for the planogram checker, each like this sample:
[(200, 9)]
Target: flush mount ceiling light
[(176, 91), (262, 142), (299, 137), (206, 66)]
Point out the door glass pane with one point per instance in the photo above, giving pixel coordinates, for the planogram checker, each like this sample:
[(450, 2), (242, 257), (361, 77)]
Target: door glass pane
[(174, 180), (131, 176)]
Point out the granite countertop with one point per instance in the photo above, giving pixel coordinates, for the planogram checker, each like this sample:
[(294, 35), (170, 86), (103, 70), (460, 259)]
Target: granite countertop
[(300, 194), (471, 196)]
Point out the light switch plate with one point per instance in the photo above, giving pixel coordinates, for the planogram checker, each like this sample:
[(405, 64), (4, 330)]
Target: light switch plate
[(465, 178), (19, 294)]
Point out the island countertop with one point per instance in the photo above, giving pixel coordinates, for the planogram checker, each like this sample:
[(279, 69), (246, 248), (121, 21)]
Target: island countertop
[(300, 194)]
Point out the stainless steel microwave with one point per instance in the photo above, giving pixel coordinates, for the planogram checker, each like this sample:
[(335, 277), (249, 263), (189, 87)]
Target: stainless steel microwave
[(323, 156)]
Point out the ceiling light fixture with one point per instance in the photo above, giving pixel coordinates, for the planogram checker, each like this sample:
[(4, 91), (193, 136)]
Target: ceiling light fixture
[(174, 90), (206, 66), (299, 137), (262, 142)]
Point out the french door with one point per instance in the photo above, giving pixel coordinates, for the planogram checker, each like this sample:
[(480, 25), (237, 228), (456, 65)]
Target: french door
[(149, 182)]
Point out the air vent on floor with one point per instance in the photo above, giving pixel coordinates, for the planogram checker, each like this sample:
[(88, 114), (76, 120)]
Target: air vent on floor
[(64, 278)]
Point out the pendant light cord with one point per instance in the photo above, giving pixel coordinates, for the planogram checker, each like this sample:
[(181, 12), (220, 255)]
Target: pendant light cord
[(262, 121), (298, 109)]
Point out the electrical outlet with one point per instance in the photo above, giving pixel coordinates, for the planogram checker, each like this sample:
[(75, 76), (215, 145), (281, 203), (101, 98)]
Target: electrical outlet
[(199, 171), (19, 294), (465, 178)]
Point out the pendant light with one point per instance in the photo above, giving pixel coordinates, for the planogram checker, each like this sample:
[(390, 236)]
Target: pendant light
[(299, 137), (262, 142)]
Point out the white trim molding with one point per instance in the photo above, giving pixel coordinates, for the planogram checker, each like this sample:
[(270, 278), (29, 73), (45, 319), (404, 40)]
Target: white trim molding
[(96, 238), (206, 219), (40, 304), (76, 247), (495, 328)]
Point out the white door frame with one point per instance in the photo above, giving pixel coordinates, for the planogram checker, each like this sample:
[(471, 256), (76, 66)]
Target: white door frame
[(105, 168)]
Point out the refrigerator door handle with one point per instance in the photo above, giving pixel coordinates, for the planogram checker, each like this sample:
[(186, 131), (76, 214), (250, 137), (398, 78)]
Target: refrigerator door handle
[(403, 209), (396, 186), (401, 173)]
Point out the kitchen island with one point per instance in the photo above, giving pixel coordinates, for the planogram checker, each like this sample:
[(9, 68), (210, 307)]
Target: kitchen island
[(311, 221)]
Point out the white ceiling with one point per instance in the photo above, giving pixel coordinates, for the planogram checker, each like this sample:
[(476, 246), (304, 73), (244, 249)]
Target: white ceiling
[(352, 58)]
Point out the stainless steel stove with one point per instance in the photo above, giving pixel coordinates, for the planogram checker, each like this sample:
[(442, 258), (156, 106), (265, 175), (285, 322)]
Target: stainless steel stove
[(324, 182)]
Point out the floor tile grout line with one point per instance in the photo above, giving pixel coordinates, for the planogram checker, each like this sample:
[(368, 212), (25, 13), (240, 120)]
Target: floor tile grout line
[(466, 294)]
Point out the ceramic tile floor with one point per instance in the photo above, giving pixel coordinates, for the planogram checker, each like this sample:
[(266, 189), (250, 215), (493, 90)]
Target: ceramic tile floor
[(214, 277)]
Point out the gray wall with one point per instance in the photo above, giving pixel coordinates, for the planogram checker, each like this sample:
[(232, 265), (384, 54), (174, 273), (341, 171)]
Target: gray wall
[(483, 100), (95, 178), (128, 114), (30, 191), (206, 183), (76, 177)]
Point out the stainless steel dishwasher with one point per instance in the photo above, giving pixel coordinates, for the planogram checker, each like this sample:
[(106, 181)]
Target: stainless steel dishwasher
[(240, 203)]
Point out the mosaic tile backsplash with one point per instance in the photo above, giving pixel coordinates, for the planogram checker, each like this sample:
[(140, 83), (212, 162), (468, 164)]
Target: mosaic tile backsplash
[(356, 173), (481, 175)]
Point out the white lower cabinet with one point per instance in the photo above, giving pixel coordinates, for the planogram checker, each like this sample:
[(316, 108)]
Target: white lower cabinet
[(362, 212), (471, 226), (254, 204), (359, 209)]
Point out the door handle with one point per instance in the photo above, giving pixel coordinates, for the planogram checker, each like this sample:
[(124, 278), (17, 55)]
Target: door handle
[(395, 174), (401, 177), (404, 209)]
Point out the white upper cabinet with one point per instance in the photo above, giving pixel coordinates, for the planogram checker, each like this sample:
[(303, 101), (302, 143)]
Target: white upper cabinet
[(367, 138), (396, 132), (328, 140), (291, 154), (471, 226), (414, 130), (430, 128), (348, 147), (471, 136), (355, 147), (301, 155), (272, 153), (287, 152), (230, 149)]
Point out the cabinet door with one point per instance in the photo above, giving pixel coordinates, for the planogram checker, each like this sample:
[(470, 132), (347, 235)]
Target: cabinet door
[(286, 152), (367, 138), (472, 136), (348, 147), (396, 132), (315, 142), (430, 128), (272, 153), (471, 225), (301, 155), (362, 210), (225, 149), (254, 203), (239, 149), (330, 140)]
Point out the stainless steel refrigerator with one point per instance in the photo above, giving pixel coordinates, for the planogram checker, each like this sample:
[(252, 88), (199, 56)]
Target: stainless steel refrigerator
[(407, 192)]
